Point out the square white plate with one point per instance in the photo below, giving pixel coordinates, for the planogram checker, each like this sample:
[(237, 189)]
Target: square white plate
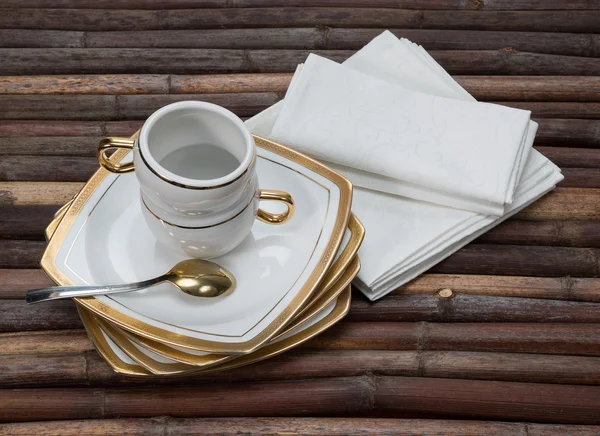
[(103, 239)]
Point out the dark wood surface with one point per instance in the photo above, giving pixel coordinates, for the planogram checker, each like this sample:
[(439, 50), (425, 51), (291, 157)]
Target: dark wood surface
[(514, 350)]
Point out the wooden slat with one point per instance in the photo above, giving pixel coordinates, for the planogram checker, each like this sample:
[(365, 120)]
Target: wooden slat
[(14, 282), (195, 61), (22, 371), (563, 203), (545, 338), (45, 342), (25, 222), (531, 88), (561, 233), (562, 21), (564, 288), (312, 397), (52, 128), (61, 146), (581, 178), (489, 400), (529, 368), (21, 254), (47, 168), (22, 38), (580, 339), (559, 132), (486, 88), (18, 316), (570, 44), (51, 369), (556, 110), (110, 107), (571, 157), (99, 61), (472, 308), (347, 395), (521, 260), (122, 4), (292, 38), (432, 4), (299, 426), (46, 404), (78, 19), (88, 84), (407, 4), (38, 193), (50, 107)]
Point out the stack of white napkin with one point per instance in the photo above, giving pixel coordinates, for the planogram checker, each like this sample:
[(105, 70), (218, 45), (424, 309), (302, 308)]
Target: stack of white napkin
[(432, 168)]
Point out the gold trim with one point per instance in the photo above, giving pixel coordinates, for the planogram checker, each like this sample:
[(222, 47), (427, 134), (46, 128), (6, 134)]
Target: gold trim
[(175, 354), (114, 143), (169, 337), (195, 228), (339, 311), (265, 217), (198, 188), (181, 328), (147, 362), (357, 234), (93, 330), (123, 339), (276, 218), (319, 301), (326, 297), (343, 265)]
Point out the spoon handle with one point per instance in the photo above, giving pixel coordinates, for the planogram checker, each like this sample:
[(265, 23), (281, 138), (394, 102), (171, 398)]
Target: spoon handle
[(62, 292)]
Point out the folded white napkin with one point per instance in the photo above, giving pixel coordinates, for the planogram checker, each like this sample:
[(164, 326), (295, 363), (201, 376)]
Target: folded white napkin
[(405, 237), (452, 152)]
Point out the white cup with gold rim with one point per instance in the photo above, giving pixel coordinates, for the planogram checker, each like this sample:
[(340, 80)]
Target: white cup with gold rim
[(196, 165)]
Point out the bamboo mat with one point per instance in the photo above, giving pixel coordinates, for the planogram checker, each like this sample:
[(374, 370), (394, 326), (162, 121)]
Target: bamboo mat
[(503, 337)]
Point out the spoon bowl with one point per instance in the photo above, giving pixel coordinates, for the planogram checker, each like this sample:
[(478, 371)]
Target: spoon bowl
[(196, 277), (202, 278)]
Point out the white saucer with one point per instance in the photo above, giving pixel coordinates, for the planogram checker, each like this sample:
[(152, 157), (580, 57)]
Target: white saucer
[(103, 239)]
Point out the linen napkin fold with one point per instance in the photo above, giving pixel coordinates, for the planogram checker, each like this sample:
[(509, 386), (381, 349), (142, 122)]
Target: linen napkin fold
[(427, 147), (405, 237)]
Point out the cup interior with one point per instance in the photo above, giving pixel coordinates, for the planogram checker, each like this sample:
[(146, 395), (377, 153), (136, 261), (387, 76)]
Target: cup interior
[(197, 141)]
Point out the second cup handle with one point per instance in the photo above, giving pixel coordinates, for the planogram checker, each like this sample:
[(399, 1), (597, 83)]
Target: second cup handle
[(276, 218), (113, 143)]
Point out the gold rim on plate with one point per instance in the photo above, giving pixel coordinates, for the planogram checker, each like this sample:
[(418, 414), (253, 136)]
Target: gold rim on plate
[(169, 337), (319, 301), (130, 346), (339, 311)]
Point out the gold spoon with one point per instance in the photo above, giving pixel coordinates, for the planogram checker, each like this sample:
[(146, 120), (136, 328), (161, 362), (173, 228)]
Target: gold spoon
[(196, 277)]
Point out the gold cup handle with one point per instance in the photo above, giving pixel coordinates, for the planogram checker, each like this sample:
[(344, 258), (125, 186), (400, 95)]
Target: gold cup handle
[(276, 218), (114, 144)]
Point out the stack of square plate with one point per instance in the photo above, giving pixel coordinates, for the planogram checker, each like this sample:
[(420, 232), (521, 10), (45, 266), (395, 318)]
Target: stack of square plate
[(293, 281)]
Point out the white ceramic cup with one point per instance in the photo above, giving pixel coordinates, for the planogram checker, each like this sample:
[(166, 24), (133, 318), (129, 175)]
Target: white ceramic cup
[(196, 165)]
